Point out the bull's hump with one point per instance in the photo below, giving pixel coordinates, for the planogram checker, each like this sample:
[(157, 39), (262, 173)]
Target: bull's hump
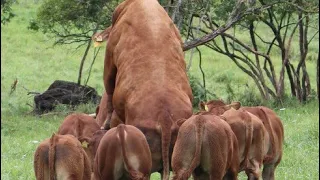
[(150, 16)]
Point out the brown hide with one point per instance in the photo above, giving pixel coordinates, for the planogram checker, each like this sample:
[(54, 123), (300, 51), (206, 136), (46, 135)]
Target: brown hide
[(61, 157), (81, 126), (101, 110), (275, 131), (123, 154), (145, 76), (206, 147), (275, 134), (252, 139)]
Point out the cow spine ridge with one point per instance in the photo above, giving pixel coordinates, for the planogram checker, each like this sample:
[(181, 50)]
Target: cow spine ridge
[(51, 157), (134, 175)]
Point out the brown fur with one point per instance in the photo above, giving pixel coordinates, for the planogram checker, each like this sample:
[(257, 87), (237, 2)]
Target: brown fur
[(123, 153), (81, 126), (61, 157), (274, 136), (101, 110), (275, 131), (145, 76), (206, 147)]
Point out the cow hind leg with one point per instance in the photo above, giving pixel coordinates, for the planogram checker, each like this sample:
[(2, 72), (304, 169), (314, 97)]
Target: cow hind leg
[(253, 170), (199, 174), (231, 175), (268, 172)]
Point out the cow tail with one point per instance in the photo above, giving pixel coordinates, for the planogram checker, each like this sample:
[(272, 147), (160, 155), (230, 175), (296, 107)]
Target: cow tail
[(249, 136), (134, 175), (52, 157), (39, 163), (166, 124), (196, 157), (269, 128)]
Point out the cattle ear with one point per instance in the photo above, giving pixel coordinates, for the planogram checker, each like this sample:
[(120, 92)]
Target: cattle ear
[(235, 105), (84, 141), (179, 122), (201, 105)]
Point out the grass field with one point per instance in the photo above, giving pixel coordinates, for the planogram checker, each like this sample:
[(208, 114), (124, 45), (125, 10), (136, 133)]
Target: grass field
[(30, 57)]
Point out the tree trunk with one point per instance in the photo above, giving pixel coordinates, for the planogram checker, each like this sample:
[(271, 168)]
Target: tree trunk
[(82, 62), (318, 76)]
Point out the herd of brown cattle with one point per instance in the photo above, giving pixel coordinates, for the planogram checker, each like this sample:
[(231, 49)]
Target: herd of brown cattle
[(144, 122)]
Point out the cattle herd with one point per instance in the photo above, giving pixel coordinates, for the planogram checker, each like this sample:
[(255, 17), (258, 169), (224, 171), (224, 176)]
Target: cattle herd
[(144, 122)]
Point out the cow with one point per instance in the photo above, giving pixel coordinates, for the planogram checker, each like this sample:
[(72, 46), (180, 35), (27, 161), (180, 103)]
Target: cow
[(207, 148), (61, 157), (275, 134), (123, 153), (251, 134), (80, 125), (145, 76)]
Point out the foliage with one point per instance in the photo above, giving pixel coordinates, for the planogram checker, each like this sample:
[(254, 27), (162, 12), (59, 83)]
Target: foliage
[(31, 62), (73, 21), (197, 91), (6, 11), (255, 56)]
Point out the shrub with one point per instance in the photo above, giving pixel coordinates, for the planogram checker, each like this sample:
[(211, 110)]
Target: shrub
[(197, 90)]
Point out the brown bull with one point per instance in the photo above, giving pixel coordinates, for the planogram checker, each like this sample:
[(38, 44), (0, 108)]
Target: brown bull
[(80, 125), (61, 157), (207, 148), (275, 133), (145, 76), (123, 153)]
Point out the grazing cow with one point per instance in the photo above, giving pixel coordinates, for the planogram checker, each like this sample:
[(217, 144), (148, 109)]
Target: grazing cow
[(251, 135), (207, 148), (123, 154), (61, 157), (275, 134), (80, 125), (145, 76)]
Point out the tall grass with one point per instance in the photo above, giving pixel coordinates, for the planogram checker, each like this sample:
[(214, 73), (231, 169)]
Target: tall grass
[(30, 57)]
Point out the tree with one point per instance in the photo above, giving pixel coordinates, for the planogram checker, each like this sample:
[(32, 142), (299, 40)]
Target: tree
[(281, 18), (73, 21)]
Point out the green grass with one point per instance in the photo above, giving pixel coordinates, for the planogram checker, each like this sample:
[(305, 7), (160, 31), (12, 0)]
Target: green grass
[(30, 57)]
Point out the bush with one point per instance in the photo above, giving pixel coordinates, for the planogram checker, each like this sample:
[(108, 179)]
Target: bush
[(197, 90)]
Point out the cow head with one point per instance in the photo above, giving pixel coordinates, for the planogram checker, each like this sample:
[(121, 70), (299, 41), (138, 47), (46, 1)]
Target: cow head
[(91, 145)]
